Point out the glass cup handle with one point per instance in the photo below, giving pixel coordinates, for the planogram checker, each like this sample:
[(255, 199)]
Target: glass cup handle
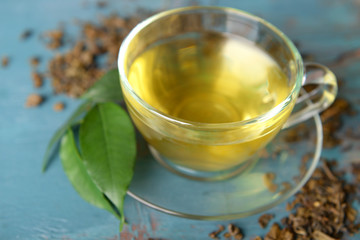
[(316, 100)]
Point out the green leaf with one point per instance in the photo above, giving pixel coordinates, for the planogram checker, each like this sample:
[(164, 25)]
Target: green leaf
[(108, 147), (84, 107), (107, 89), (78, 175)]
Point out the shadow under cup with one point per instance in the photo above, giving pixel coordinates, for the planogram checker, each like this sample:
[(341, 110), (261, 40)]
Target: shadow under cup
[(198, 150)]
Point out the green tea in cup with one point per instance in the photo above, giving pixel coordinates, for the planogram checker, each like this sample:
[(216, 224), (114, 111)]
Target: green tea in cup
[(209, 87)]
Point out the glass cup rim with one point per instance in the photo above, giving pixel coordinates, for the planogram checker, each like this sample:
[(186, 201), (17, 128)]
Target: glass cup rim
[(298, 62)]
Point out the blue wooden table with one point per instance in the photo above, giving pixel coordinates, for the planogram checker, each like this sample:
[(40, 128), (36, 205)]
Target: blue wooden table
[(45, 206)]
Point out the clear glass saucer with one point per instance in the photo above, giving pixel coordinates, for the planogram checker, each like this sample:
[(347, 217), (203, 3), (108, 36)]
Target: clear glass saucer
[(251, 192)]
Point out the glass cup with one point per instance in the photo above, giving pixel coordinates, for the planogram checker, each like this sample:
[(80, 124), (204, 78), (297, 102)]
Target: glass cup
[(203, 150)]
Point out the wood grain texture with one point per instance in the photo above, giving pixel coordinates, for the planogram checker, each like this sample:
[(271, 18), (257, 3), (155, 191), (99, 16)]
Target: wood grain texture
[(45, 206)]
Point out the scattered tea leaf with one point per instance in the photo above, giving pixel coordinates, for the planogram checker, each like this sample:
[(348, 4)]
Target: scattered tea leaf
[(332, 119), (34, 100), (346, 57), (54, 39), (107, 142), (26, 34), (265, 219), (37, 79), (227, 235), (101, 4), (274, 232), (215, 234), (268, 179), (233, 230), (321, 210), (5, 61), (285, 187), (74, 71), (59, 106), (318, 235), (78, 176), (238, 236), (34, 61)]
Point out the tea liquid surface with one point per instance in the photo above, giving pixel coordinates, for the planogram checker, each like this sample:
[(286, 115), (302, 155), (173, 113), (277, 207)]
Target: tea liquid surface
[(212, 78)]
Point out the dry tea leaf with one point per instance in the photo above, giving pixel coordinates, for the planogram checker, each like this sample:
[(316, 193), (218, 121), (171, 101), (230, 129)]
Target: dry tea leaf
[(274, 232), (351, 213), (34, 61), (101, 4), (215, 234), (286, 234), (265, 219), (227, 235), (58, 107), (34, 100), (318, 235), (268, 179), (333, 122), (5, 61), (76, 70), (238, 236), (322, 210), (270, 176), (346, 57), (235, 232), (26, 34), (54, 39), (297, 133), (233, 229), (37, 79), (355, 170), (286, 186)]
